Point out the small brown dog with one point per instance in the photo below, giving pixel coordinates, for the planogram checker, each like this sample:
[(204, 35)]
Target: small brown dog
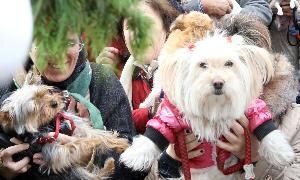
[(187, 29), (32, 108)]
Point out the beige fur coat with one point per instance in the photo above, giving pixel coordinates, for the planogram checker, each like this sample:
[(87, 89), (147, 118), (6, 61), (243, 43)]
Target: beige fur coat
[(280, 95)]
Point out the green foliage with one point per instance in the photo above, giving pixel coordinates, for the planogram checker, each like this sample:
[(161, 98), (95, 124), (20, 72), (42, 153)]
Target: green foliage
[(53, 19)]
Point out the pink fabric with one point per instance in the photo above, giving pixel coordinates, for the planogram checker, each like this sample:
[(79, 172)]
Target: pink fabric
[(169, 120), (257, 113)]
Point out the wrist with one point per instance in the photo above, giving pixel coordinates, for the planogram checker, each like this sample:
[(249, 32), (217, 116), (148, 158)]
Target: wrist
[(171, 152)]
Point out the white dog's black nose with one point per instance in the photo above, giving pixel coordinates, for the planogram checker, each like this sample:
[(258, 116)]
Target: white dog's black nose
[(218, 84)]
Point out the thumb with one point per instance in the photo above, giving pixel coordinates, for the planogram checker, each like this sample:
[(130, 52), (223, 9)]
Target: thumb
[(64, 139)]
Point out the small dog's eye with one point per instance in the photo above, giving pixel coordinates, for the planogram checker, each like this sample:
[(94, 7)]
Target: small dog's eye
[(53, 104), (203, 65), (50, 91), (229, 64)]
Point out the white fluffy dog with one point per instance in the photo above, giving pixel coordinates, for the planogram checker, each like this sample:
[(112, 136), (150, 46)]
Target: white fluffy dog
[(212, 85)]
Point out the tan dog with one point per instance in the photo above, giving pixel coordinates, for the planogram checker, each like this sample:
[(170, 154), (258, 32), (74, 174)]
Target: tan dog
[(32, 107), (187, 29)]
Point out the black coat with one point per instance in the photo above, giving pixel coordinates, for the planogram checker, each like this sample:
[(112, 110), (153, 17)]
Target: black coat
[(107, 94)]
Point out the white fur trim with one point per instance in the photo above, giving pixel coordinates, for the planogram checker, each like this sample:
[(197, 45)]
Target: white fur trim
[(276, 149), (126, 78), (141, 154)]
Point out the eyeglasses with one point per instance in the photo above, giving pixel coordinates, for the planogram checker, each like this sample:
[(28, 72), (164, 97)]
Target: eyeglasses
[(81, 45)]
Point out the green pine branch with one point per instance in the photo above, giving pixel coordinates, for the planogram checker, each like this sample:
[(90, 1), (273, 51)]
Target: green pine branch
[(53, 19)]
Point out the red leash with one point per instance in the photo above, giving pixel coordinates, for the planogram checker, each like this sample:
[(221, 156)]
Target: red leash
[(60, 117), (246, 163), (221, 158), (180, 140)]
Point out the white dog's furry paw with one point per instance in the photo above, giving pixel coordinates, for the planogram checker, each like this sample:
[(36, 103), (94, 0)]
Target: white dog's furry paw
[(276, 149), (141, 154)]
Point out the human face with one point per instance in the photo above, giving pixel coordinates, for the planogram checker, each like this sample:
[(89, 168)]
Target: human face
[(58, 73), (158, 34)]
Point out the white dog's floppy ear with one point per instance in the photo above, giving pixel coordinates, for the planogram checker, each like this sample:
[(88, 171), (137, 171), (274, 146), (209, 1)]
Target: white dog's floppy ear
[(260, 62), (170, 66)]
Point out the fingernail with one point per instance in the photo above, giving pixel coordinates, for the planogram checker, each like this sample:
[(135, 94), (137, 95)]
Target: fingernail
[(26, 145)]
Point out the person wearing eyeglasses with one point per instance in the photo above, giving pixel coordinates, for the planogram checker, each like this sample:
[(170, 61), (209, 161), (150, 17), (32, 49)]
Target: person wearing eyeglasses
[(92, 82)]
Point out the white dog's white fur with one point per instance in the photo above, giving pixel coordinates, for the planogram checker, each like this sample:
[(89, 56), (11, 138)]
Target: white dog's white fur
[(140, 145), (190, 88), (187, 77)]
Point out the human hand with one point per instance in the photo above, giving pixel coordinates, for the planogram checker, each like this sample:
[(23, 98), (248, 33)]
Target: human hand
[(109, 56), (236, 140), (10, 168), (78, 109), (62, 138), (217, 8), (191, 143)]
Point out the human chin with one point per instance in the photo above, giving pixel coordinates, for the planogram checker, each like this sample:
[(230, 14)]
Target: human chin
[(56, 73)]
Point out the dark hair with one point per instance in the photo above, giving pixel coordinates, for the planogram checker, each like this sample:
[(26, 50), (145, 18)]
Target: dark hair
[(165, 10)]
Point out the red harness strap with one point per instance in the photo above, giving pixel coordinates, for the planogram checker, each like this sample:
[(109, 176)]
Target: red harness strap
[(60, 117), (221, 158), (180, 140)]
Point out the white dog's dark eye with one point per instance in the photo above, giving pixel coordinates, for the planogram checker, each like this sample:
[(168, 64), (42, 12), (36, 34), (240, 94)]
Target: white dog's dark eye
[(229, 64), (203, 65), (53, 104)]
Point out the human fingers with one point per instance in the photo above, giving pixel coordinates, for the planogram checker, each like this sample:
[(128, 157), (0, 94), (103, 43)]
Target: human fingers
[(38, 158), (15, 141), (231, 137), (224, 145), (64, 139), (244, 121), (16, 166), (112, 50), (237, 128), (230, 3), (82, 110), (25, 169), (8, 152)]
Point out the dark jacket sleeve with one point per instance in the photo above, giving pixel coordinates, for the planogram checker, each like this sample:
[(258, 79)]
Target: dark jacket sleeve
[(168, 167), (6, 90), (107, 94)]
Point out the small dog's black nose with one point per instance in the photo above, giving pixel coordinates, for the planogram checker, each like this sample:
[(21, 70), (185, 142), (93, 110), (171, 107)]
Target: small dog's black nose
[(218, 84)]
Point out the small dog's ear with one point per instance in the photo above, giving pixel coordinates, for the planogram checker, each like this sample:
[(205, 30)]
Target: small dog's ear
[(4, 118), (178, 24)]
